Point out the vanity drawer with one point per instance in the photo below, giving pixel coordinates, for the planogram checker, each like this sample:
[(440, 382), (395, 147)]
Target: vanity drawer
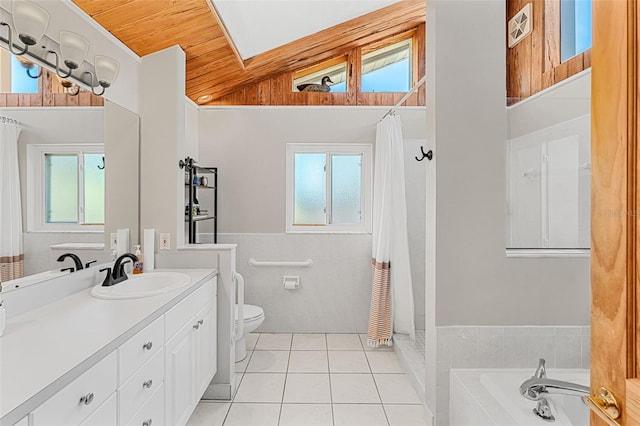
[(139, 388), (105, 415), (140, 349), (186, 309), (76, 401), (151, 413)]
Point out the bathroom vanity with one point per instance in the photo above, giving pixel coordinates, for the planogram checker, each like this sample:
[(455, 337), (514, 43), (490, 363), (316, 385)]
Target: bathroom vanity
[(83, 360)]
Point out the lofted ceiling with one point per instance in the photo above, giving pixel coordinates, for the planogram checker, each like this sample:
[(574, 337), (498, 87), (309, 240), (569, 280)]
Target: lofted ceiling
[(228, 47)]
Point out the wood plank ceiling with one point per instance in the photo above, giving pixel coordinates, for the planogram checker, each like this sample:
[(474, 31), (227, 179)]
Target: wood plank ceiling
[(213, 66)]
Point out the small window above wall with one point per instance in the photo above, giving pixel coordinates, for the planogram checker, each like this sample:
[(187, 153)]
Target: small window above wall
[(335, 69), (388, 69), (13, 74), (575, 27)]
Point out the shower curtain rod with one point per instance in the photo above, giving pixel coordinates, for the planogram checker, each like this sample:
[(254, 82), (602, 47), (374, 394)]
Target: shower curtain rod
[(405, 97)]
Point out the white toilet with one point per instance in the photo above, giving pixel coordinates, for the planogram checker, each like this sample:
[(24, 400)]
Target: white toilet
[(253, 318)]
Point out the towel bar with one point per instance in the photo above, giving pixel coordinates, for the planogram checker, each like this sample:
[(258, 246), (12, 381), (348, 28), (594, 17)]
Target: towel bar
[(253, 262)]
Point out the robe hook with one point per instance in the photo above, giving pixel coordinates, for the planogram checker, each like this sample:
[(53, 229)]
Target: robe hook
[(428, 155)]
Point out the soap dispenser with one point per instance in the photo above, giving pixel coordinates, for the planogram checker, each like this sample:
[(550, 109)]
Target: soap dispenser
[(138, 266)]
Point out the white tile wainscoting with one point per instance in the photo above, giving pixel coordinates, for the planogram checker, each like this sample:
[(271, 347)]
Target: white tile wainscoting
[(334, 294), (505, 347)]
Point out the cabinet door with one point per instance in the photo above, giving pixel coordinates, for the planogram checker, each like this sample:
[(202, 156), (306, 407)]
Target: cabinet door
[(206, 348), (180, 375)]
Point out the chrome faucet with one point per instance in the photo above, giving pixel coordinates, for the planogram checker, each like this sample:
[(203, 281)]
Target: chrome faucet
[(118, 274), (539, 386)]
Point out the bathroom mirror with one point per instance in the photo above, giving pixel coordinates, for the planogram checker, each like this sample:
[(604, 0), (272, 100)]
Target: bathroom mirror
[(112, 126), (548, 169)]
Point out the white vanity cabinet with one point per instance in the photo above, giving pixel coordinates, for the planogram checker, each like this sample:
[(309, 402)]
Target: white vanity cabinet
[(190, 353), (154, 377)]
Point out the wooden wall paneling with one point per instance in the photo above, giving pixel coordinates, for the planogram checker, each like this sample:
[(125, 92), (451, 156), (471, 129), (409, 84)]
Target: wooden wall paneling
[(339, 98), (354, 64), (551, 34), (264, 92), (575, 64), (84, 97), (560, 72), (587, 59), (277, 90), (251, 94), (3, 99), (537, 46)]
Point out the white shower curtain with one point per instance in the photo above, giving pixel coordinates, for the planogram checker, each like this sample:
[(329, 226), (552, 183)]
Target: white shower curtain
[(392, 308), (11, 253)]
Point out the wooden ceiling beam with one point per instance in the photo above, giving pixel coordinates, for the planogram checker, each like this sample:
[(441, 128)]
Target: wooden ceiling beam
[(223, 29)]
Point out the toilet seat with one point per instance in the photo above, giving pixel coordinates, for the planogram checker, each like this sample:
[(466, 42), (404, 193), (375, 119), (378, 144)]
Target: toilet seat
[(251, 313)]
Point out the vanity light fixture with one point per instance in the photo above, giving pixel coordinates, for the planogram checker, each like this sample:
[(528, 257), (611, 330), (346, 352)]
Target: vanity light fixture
[(73, 49), (106, 72), (30, 22)]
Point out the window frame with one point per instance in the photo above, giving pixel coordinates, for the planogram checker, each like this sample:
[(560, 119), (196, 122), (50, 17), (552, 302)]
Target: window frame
[(36, 187), (364, 227)]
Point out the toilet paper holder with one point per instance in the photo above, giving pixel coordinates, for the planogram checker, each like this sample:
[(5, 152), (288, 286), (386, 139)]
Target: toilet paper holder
[(291, 282)]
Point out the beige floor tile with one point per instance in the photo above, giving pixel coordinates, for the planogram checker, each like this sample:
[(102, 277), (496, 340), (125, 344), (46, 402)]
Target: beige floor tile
[(209, 414), (307, 388), (253, 415), (261, 387), (308, 362), (306, 414), (359, 415)]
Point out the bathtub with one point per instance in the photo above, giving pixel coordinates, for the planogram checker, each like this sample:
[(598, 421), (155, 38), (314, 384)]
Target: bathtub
[(484, 397)]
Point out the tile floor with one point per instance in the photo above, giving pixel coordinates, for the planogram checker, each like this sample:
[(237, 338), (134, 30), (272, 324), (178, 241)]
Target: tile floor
[(316, 380)]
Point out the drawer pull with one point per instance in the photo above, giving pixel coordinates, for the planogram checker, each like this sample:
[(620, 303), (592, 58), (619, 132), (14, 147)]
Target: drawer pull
[(147, 422), (147, 384), (201, 322), (197, 326), (87, 399), (147, 346)]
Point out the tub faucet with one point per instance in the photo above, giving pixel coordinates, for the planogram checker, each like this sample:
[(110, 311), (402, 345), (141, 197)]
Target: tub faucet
[(537, 388), (541, 371), (75, 258)]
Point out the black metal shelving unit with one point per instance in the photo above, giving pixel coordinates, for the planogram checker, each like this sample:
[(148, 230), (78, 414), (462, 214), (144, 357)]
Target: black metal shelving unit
[(193, 184)]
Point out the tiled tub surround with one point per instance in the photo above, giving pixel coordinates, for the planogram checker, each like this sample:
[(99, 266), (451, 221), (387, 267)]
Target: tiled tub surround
[(490, 397), (316, 380), (505, 347)]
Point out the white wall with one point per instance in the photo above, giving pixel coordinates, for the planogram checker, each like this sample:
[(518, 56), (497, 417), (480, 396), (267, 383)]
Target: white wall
[(248, 147), (476, 283)]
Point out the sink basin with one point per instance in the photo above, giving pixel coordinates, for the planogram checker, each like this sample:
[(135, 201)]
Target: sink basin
[(143, 285)]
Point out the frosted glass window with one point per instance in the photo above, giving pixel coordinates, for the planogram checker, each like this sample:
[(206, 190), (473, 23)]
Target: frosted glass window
[(66, 187), (328, 188), (61, 188), (93, 188), (346, 190), (310, 189), (387, 69)]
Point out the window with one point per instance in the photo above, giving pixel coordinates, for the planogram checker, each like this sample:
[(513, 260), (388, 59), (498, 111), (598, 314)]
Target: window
[(328, 188), (575, 27), (13, 74), (388, 69), (336, 69), (65, 188)]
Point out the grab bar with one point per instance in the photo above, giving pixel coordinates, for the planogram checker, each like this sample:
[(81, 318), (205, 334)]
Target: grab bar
[(253, 262)]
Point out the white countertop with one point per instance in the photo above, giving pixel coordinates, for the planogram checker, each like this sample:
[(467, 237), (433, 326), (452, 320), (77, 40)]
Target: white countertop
[(44, 349)]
